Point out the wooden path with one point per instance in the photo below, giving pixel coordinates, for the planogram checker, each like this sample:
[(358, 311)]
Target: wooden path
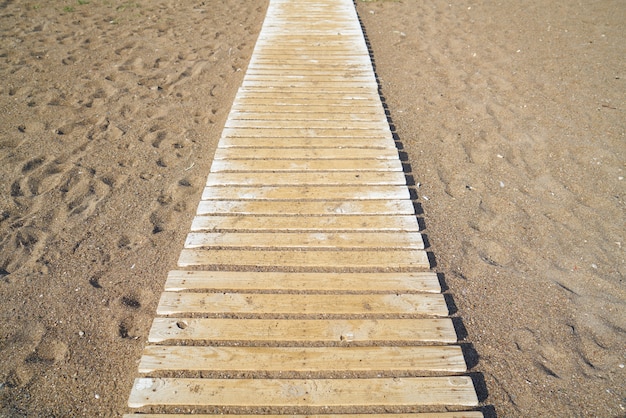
[(304, 288)]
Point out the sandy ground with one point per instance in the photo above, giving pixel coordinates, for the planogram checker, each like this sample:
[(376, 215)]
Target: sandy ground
[(511, 115)]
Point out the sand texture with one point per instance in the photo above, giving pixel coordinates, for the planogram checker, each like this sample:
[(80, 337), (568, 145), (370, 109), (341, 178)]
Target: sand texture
[(512, 116)]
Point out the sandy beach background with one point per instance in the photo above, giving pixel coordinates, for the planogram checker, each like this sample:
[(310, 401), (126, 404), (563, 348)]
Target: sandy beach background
[(511, 116)]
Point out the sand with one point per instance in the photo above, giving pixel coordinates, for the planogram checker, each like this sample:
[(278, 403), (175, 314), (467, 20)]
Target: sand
[(511, 116)]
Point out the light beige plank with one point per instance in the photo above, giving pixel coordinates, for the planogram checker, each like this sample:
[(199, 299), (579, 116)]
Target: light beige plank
[(315, 131), (306, 143), (332, 75), (304, 359), (300, 392), (438, 330), (301, 107), (346, 71), (308, 178), (306, 90), (176, 303), (305, 165), (255, 100), (178, 280), (389, 259), (305, 223), (369, 98), (306, 193), (268, 114), (368, 129), (460, 414), (337, 85), (293, 208), (305, 240), (307, 153)]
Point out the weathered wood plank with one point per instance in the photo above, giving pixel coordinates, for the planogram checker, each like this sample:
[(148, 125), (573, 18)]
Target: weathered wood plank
[(305, 223), (300, 107), (308, 178), (336, 76), (304, 392), (459, 414), (438, 330), (268, 114), (368, 129), (293, 208), (258, 165), (304, 359), (315, 131), (307, 143), (306, 240), (176, 303), (285, 259), (178, 280), (337, 85), (307, 153), (306, 193), (366, 98)]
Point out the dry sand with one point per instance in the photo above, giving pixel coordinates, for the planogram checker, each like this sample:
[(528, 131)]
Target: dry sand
[(511, 115)]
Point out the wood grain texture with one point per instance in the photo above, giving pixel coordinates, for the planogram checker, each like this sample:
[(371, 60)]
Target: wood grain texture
[(306, 223), (437, 330), (180, 280), (300, 207), (281, 259), (439, 358), (176, 303), (457, 390), (306, 240)]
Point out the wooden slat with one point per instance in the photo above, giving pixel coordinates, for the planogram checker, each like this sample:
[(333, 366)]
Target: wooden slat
[(178, 280), (176, 303), (309, 240), (279, 259), (306, 193), (304, 359), (460, 414), (336, 76), (306, 223), (304, 392), (370, 331), (307, 132), (361, 107), (271, 114), (359, 98), (308, 178), (305, 165), (306, 154), (326, 207), (337, 85), (368, 129), (255, 142)]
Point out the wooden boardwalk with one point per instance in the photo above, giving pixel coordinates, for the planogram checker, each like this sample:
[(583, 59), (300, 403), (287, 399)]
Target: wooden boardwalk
[(304, 288)]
